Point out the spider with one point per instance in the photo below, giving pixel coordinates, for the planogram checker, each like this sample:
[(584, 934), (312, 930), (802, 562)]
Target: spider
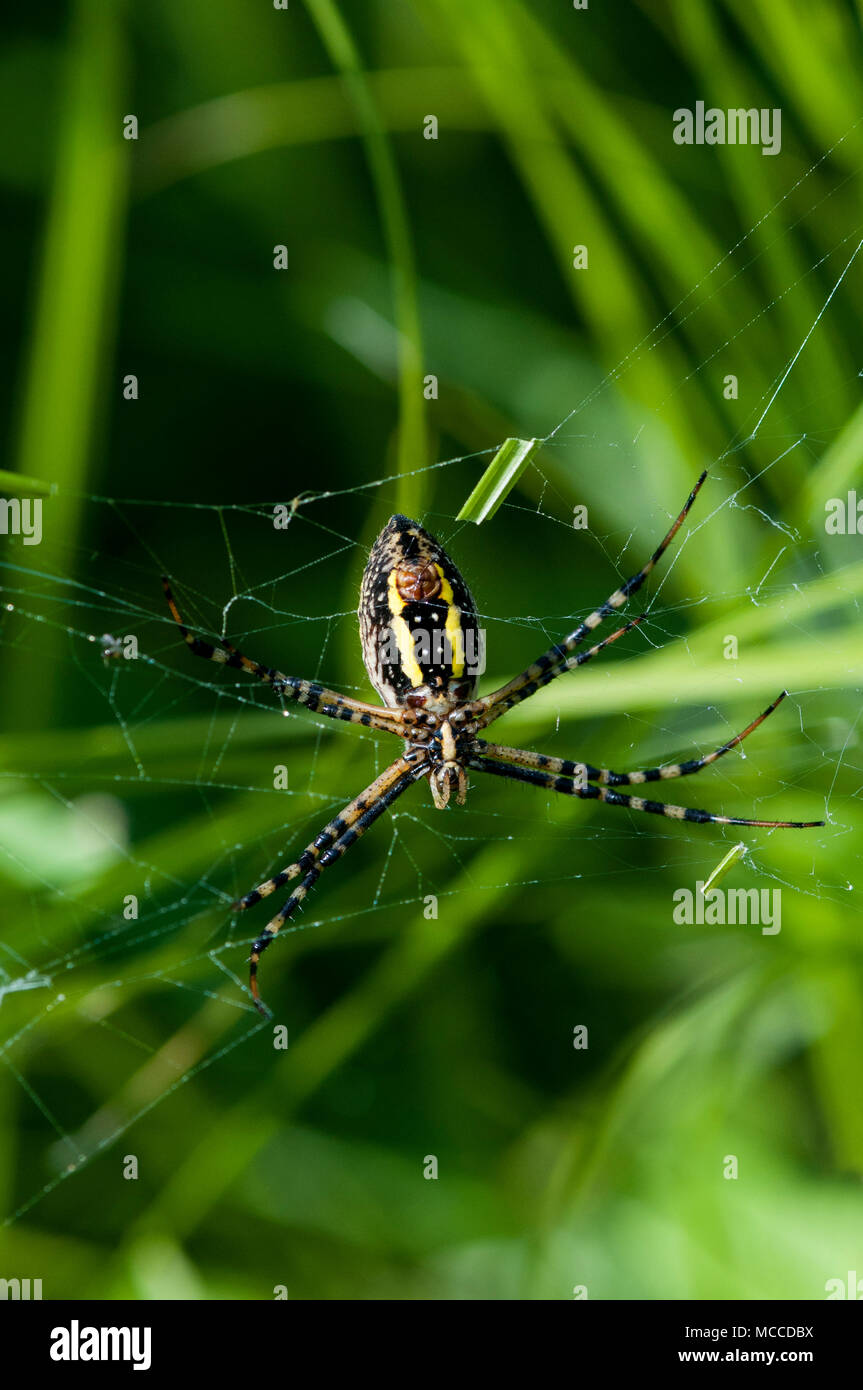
[(419, 627)]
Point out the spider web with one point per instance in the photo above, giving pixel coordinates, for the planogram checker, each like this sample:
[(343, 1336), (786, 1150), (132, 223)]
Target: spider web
[(82, 956)]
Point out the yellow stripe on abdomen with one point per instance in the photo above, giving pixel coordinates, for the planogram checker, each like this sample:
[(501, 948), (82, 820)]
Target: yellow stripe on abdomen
[(453, 624), (405, 639)]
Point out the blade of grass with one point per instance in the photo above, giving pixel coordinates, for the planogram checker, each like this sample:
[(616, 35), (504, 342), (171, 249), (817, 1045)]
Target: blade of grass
[(19, 485), (498, 480), (64, 386), (610, 299), (412, 442), (783, 259), (679, 677), (734, 855)]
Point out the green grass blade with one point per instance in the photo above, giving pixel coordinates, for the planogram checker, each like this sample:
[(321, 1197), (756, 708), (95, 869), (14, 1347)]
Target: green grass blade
[(412, 443), (498, 480), (734, 855), (65, 390), (19, 484)]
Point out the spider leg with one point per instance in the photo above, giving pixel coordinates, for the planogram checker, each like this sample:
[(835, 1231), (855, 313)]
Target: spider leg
[(333, 831), (326, 849), (572, 785), (463, 714), (559, 658), (525, 757), (581, 657), (309, 693)]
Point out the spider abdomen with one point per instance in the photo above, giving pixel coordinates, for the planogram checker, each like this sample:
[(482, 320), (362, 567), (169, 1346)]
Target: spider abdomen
[(422, 645)]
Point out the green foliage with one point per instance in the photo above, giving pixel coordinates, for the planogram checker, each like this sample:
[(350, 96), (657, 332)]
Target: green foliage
[(413, 1035)]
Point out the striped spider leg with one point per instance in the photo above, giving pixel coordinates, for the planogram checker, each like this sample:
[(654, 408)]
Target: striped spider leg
[(560, 658), (309, 693), (356, 817), (575, 778), (327, 848)]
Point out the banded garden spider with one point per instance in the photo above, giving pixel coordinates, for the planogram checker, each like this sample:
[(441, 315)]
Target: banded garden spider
[(417, 621)]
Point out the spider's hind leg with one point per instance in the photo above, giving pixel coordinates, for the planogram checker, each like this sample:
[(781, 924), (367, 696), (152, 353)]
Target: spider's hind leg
[(573, 783), (326, 849), (605, 776)]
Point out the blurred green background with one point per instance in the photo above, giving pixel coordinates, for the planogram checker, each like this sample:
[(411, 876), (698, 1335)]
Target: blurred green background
[(411, 257)]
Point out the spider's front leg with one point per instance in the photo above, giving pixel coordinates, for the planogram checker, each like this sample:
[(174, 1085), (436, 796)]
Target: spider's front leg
[(315, 697), (561, 657), (326, 849)]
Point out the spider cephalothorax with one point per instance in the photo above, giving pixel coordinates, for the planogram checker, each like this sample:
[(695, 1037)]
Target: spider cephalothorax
[(423, 650)]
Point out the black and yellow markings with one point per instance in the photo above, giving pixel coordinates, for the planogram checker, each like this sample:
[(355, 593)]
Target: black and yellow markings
[(415, 611), (410, 620)]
